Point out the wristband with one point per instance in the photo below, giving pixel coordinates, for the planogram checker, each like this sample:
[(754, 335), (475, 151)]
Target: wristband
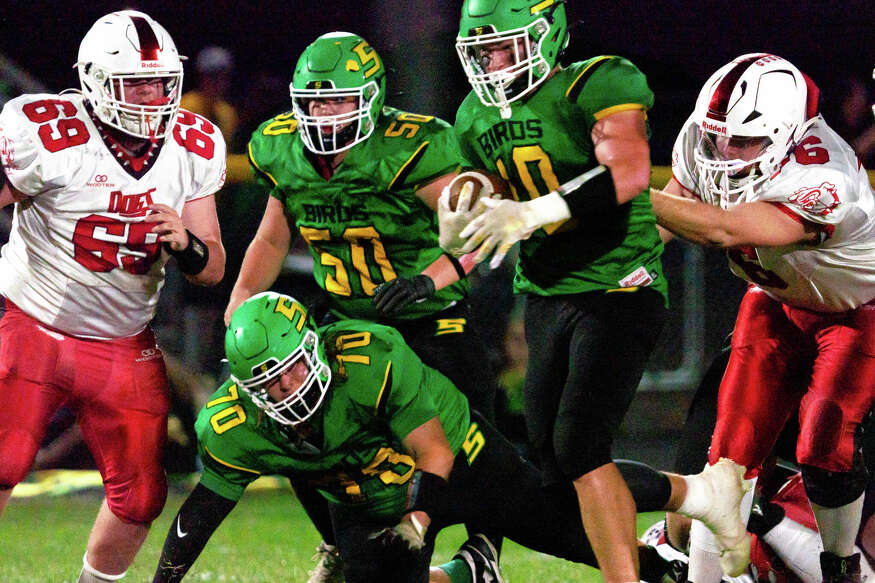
[(460, 271), (598, 196), (425, 492), (193, 259)]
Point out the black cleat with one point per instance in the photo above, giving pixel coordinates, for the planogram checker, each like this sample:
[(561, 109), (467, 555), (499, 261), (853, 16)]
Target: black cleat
[(482, 558), (837, 569)]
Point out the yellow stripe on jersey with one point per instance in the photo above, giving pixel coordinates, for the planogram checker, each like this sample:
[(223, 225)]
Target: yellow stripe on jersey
[(584, 73), (412, 160), (617, 108), (252, 161), (224, 463), (622, 289), (386, 378)]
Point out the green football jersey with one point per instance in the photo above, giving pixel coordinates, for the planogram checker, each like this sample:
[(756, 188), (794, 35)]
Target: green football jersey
[(355, 454), (547, 142), (365, 225)]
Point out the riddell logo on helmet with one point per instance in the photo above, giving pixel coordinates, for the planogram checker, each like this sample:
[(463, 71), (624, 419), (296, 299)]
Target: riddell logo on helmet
[(710, 127), (150, 65)]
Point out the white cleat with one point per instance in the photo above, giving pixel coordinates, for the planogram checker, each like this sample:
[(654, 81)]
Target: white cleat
[(329, 565), (723, 516)]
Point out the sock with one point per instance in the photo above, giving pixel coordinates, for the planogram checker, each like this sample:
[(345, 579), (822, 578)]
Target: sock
[(798, 547), (838, 526), (457, 570), (704, 555), (91, 575)]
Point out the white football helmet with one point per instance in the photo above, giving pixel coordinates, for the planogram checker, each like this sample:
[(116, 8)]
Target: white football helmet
[(759, 102), (130, 47)]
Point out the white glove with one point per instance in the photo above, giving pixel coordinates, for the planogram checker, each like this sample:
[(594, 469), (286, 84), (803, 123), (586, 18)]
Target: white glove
[(504, 222), (451, 223)]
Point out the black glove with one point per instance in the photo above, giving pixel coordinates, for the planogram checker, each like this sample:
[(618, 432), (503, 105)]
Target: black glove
[(392, 297)]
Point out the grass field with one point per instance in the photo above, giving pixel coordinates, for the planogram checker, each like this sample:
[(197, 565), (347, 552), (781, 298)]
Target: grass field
[(266, 538)]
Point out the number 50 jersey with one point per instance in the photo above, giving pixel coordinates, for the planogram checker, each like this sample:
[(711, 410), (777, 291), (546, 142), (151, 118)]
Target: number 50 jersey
[(80, 257)]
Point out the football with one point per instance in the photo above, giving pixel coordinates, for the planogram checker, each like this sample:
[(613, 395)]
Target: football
[(485, 184)]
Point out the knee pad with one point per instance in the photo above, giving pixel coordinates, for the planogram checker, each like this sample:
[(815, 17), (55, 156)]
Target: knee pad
[(834, 489), (140, 502)]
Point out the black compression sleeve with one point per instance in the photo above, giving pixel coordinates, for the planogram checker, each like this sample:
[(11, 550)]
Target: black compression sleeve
[(597, 196), (200, 515)]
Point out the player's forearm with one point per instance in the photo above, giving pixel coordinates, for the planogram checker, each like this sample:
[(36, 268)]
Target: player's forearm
[(200, 515), (447, 270), (214, 271), (695, 221), (261, 266)]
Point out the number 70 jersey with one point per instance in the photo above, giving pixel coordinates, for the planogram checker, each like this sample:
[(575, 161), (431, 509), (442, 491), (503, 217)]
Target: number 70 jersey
[(822, 185), (81, 257)]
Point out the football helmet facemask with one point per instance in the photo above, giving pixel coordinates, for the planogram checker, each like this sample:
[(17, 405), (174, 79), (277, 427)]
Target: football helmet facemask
[(335, 66), (269, 334), (535, 32), (749, 115), (129, 48)]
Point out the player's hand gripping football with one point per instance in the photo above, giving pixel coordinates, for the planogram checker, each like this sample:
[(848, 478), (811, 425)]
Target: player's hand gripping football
[(169, 226), (503, 223), (452, 221)]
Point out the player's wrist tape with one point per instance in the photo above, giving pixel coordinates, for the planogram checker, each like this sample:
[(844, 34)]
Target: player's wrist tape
[(547, 209), (597, 196), (194, 258), (425, 492), (460, 271)]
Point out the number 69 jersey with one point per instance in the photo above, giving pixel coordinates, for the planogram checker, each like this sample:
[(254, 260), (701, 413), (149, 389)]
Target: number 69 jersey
[(80, 257), (822, 184)]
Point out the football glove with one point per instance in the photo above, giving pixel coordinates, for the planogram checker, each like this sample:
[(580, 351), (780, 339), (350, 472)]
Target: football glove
[(392, 297), (408, 534), (504, 222), (451, 222)]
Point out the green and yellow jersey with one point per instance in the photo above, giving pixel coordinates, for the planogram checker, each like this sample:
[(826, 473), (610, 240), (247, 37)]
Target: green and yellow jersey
[(365, 225), (546, 142), (380, 392)]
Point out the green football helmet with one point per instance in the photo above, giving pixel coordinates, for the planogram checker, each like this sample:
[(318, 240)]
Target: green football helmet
[(538, 31), (269, 333), (338, 65)]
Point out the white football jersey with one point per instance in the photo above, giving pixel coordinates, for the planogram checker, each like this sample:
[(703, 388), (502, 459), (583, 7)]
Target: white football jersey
[(821, 183), (80, 257)]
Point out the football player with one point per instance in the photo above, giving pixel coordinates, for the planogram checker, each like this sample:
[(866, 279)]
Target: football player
[(758, 172), (589, 264), (108, 182), (358, 182), (395, 449)]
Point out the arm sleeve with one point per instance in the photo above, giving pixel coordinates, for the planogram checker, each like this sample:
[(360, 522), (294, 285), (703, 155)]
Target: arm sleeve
[(194, 524)]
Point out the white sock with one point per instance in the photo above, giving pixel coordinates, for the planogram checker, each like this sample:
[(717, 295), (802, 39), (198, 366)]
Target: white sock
[(704, 555), (838, 526), (799, 547), (91, 575)]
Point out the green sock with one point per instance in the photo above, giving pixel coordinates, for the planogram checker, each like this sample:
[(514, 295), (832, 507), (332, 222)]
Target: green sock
[(457, 570)]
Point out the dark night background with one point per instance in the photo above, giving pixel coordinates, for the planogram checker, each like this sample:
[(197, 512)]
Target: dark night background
[(677, 44)]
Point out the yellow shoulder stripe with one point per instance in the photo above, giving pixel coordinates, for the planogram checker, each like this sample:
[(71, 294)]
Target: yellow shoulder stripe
[(224, 463), (403, 169), (252, 160), (582, 73), (617, 108), (386, 377)]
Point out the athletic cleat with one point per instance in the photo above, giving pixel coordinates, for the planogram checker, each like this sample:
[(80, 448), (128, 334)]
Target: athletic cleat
[(329, 565), (837, 569), (723, 517), (482, 558)]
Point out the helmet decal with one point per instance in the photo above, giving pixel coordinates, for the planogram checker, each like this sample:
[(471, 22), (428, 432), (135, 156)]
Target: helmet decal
[(148, 41)]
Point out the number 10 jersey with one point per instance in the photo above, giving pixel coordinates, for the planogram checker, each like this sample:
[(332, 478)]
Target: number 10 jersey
[(81, 257)]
